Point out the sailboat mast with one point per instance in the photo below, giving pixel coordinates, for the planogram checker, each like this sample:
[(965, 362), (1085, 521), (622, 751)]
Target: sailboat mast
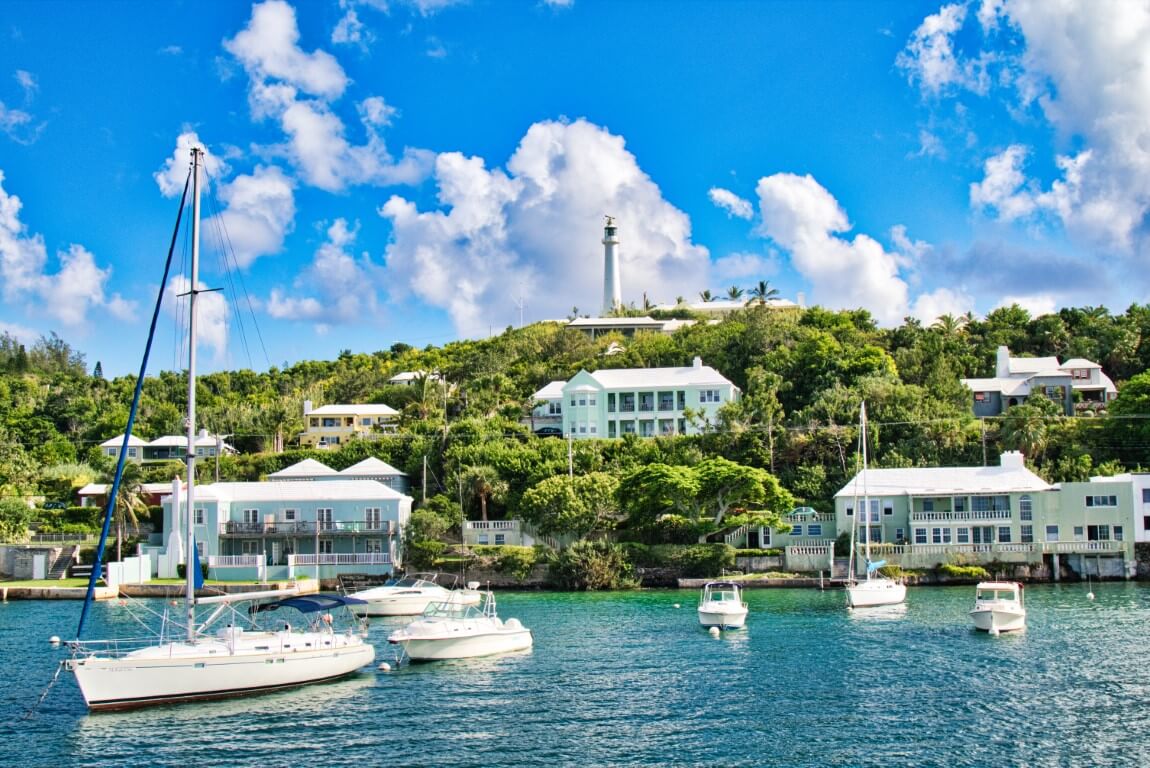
[(191, 560), (866, 498)]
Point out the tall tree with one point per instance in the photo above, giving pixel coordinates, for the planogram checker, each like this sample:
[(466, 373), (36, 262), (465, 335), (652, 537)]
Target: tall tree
[(483, 484), (762, 292)]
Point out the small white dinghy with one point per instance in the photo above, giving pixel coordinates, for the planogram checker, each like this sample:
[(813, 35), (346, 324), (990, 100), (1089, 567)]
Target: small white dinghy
[(998, 607), (722, 606)]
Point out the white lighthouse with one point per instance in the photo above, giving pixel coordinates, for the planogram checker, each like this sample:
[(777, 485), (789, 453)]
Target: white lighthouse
[(612, 291)]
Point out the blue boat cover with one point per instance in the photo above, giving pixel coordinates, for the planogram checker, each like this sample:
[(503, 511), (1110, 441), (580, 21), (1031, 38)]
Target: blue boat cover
[(307, 603), (872, 567)]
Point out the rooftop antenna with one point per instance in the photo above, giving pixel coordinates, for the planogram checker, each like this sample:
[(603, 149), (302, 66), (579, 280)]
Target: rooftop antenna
[(520, 304)]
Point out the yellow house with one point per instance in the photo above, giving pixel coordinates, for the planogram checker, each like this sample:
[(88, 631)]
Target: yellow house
[(330, 426)]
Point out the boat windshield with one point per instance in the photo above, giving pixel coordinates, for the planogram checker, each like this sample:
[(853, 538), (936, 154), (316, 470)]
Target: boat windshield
[(996, 594), (452, 609)]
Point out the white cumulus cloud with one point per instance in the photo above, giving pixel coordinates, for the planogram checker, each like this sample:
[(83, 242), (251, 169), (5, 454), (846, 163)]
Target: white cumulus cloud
[(801, 216), (212, 312), (260, 211), (66, 295), (298, 89), (731, 203), (174, 173), (344, 288), (535, 229)]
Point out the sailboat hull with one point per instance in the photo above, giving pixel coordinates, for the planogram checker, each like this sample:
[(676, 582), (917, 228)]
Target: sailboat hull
[(875, 592), (177, 672)]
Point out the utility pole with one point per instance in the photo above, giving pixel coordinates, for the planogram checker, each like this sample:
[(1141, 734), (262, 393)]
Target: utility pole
[(425, 479), (571, 456)]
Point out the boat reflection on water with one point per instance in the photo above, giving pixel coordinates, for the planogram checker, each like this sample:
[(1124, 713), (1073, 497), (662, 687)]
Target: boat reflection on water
[(879, 613)]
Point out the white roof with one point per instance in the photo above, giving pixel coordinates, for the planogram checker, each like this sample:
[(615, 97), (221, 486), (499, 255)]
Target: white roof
[(99, 489), (320, 490), (1078, 362), (118, 440), (690, 375), (1005, 386), (178, 441), (407, 376), (1033, 365), (553, 391), (616, 322), (365, 409), (943, 481), (305, 468), (372, 466)]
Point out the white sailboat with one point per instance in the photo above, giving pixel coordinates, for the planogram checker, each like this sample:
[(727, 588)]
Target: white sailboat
[(875, 590), (229, 653)]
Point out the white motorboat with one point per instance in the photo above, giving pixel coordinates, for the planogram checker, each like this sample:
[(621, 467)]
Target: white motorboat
[(197, 658), (411, 596), (451, 630), (999, 607), (238, 658), (877, 590), (722, 606)]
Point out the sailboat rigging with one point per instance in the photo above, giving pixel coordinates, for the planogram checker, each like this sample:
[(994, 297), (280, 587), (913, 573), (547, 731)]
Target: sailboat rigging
[(229, 653), (876, 589)]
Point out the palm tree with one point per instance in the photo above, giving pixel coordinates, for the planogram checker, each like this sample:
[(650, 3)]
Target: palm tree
[(706, 295), (483, 483), (948, 325), (763, 291), (128, 504), (734, 293)]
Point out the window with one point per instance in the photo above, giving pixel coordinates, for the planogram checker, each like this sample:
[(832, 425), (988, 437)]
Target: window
[(323, 519), (666, 426), (627, 401), (611, 429), (1146, 495), (1004, 534), (315, 422), (990, 503), (681, 399), (251, 516), (627, 427), (591, 400), (572, 402), (1026, 534), (1118, 533), (365, 422), (373, 546), (682, 426), (500, 539), (371, 517), (919, 535), (199, 517), (325, 547), (582, 429), (610, 402), (1078, 533), (250, 547), (555, 408), (666, 401), (482, 539), (1025, 508), (850, 511), (899, 536), (962, 535), (797, 529), (887, 509), (935, 535), (330, 422), (594, 428), (1101, 501), (815, 529), (1080, 374), (131, 452), (928, 505), (708, 396), (980, 397), (646, 401), (959, 503), (1052, 533), (583, 400), (289, 515)]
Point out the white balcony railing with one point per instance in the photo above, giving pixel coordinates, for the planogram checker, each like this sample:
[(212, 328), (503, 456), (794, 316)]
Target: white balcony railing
[(492, 525), (235, 561), (344, 558), (966, 515)]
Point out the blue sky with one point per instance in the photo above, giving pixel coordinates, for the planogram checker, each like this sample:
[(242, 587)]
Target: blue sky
[(427, 170)]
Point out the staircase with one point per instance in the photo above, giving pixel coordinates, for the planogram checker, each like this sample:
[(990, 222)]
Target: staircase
[(63, 562)]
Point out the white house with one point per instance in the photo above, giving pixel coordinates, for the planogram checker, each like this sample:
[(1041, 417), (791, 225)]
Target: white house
[(370, 468), (644, 401), (1018, 378), (167, 447)]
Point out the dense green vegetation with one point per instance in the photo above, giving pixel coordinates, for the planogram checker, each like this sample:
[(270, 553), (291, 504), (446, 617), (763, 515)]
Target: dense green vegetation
[(789, 441)]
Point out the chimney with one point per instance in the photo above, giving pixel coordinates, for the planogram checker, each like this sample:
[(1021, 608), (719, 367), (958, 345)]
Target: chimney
[(1002, 363), (1012, 459), (306, 407), (697, 362)]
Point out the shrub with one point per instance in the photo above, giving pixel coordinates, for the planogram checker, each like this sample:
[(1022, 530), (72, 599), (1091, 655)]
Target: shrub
[(587, 565), (422, 554), (975, 572), (758, 552)]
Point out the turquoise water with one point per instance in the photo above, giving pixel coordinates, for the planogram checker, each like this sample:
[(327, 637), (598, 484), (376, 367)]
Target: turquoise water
[(628, 679)]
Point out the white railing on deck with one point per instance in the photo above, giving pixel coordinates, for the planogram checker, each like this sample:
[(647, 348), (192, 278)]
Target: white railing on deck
[(235, 561), (492, 525), (344, 558), (971, 515)]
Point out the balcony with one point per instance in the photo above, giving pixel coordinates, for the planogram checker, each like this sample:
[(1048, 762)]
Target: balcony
[(286, 528), (918, 516)]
